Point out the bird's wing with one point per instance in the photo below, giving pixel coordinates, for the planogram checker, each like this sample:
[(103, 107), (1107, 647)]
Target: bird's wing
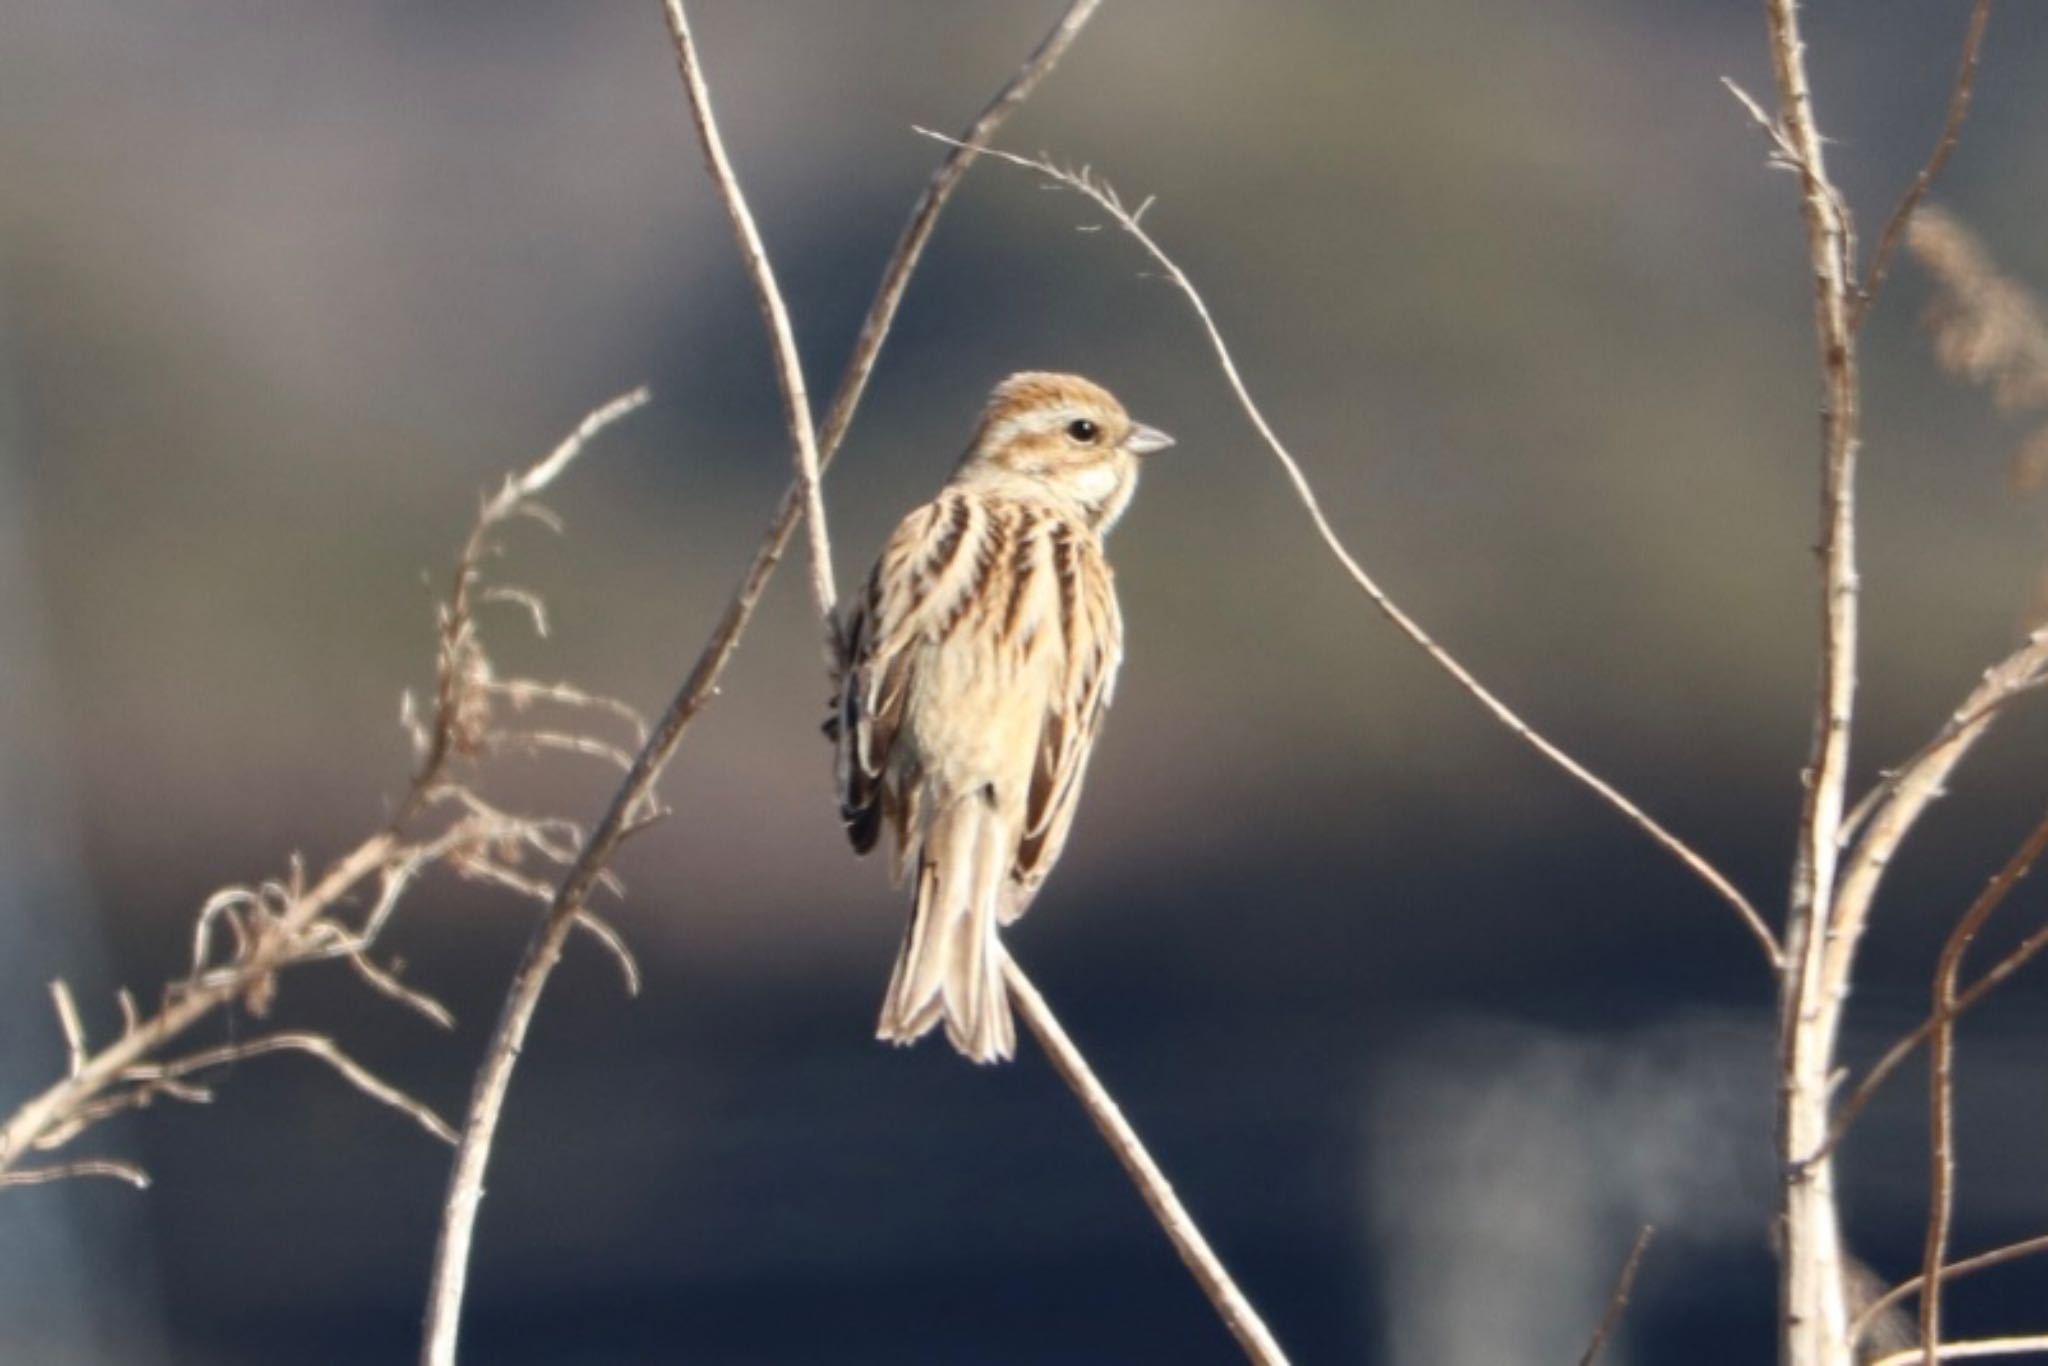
[(1092, 629), (892, 616)]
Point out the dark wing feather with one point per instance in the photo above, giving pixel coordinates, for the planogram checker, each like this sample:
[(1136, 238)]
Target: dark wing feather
[(1093, 629), (875, 686)]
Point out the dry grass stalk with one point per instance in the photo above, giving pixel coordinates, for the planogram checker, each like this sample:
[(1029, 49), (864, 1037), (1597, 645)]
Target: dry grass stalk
[(1941, 1085), (465, 1187), (1966, 1351), (1617, 1303), (244, 937), (789, 372), (1232, 1307), (1954, 1271), (1906, 214)]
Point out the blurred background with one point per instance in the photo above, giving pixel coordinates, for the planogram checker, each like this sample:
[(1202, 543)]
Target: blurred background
[(1422, 1032)]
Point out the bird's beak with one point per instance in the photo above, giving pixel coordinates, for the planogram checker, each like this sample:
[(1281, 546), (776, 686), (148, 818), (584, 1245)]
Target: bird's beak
[(1144, 440)]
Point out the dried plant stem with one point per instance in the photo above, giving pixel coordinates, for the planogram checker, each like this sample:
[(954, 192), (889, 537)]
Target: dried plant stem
[(789, 374), (1944, 148), (465, 1190), (1894, 1057), (1954, 1271), (126, 1172), (1941, 1085), (1129, 220), (1617, 1303), (1231, 1305), (1813, 1314), (90, 1077), (282, 923), (1963, 1351)]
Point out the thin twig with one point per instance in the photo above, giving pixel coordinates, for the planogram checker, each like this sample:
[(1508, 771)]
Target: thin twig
[(319, 1046), (2027, 950), (1617, 1303), (1954, 1271), (1106, 198), (1961, 1351), (1911, 790), (65, 1171), (1231, 1305), (75, 1050), (536, 478), (1941, 1084), (472, 1159), (29, 1124), (789, 374), (1951, 133)]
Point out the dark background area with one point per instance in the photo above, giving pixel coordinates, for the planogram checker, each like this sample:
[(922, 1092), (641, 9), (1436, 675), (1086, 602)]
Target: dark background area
[(1421, 1031)]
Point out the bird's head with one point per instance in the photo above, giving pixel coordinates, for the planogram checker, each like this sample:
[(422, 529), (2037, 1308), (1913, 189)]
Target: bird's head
[(1064, 437)]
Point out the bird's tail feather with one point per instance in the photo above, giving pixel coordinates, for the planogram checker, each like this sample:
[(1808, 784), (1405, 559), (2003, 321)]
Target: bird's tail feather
[(950, 968)]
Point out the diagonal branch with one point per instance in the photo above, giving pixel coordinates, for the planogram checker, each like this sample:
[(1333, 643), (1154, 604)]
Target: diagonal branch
[(1895, 1057), (789, 374), (1954, 1271), (1966, 1351), (1107, 199), (1937, 161), (1617, 1303), (1941, 1096), (1912, 789), (465, 1189), (1231, 1305)]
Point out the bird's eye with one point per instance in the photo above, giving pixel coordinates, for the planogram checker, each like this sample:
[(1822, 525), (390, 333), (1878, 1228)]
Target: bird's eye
[(1083, 431)]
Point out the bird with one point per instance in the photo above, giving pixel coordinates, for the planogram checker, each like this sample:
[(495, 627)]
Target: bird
[(976, 667)]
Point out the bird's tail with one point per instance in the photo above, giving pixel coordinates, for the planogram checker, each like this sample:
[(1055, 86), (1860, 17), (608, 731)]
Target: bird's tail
[(951, 964)]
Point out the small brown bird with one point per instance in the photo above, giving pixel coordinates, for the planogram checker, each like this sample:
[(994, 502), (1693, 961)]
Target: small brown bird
[(979, 662)]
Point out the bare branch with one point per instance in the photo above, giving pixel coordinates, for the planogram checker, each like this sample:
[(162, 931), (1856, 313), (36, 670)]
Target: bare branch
[(1941, 1084), (28, 1127), (1951, 133), (796, 403), (1954, 1271), (1910, 791), (1813, 1314), (319, 1046), (1960, 1351), (386, 984), (1617, 1303), (631, 804), (1105, 196), (1231, 1305), (532, 481), (65, 1171), (74, 1030), (1895, 1056)]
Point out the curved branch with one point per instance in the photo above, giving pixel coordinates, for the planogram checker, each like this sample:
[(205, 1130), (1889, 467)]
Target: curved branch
[(1231, 1305), (1951, 133), (1107, 199)]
